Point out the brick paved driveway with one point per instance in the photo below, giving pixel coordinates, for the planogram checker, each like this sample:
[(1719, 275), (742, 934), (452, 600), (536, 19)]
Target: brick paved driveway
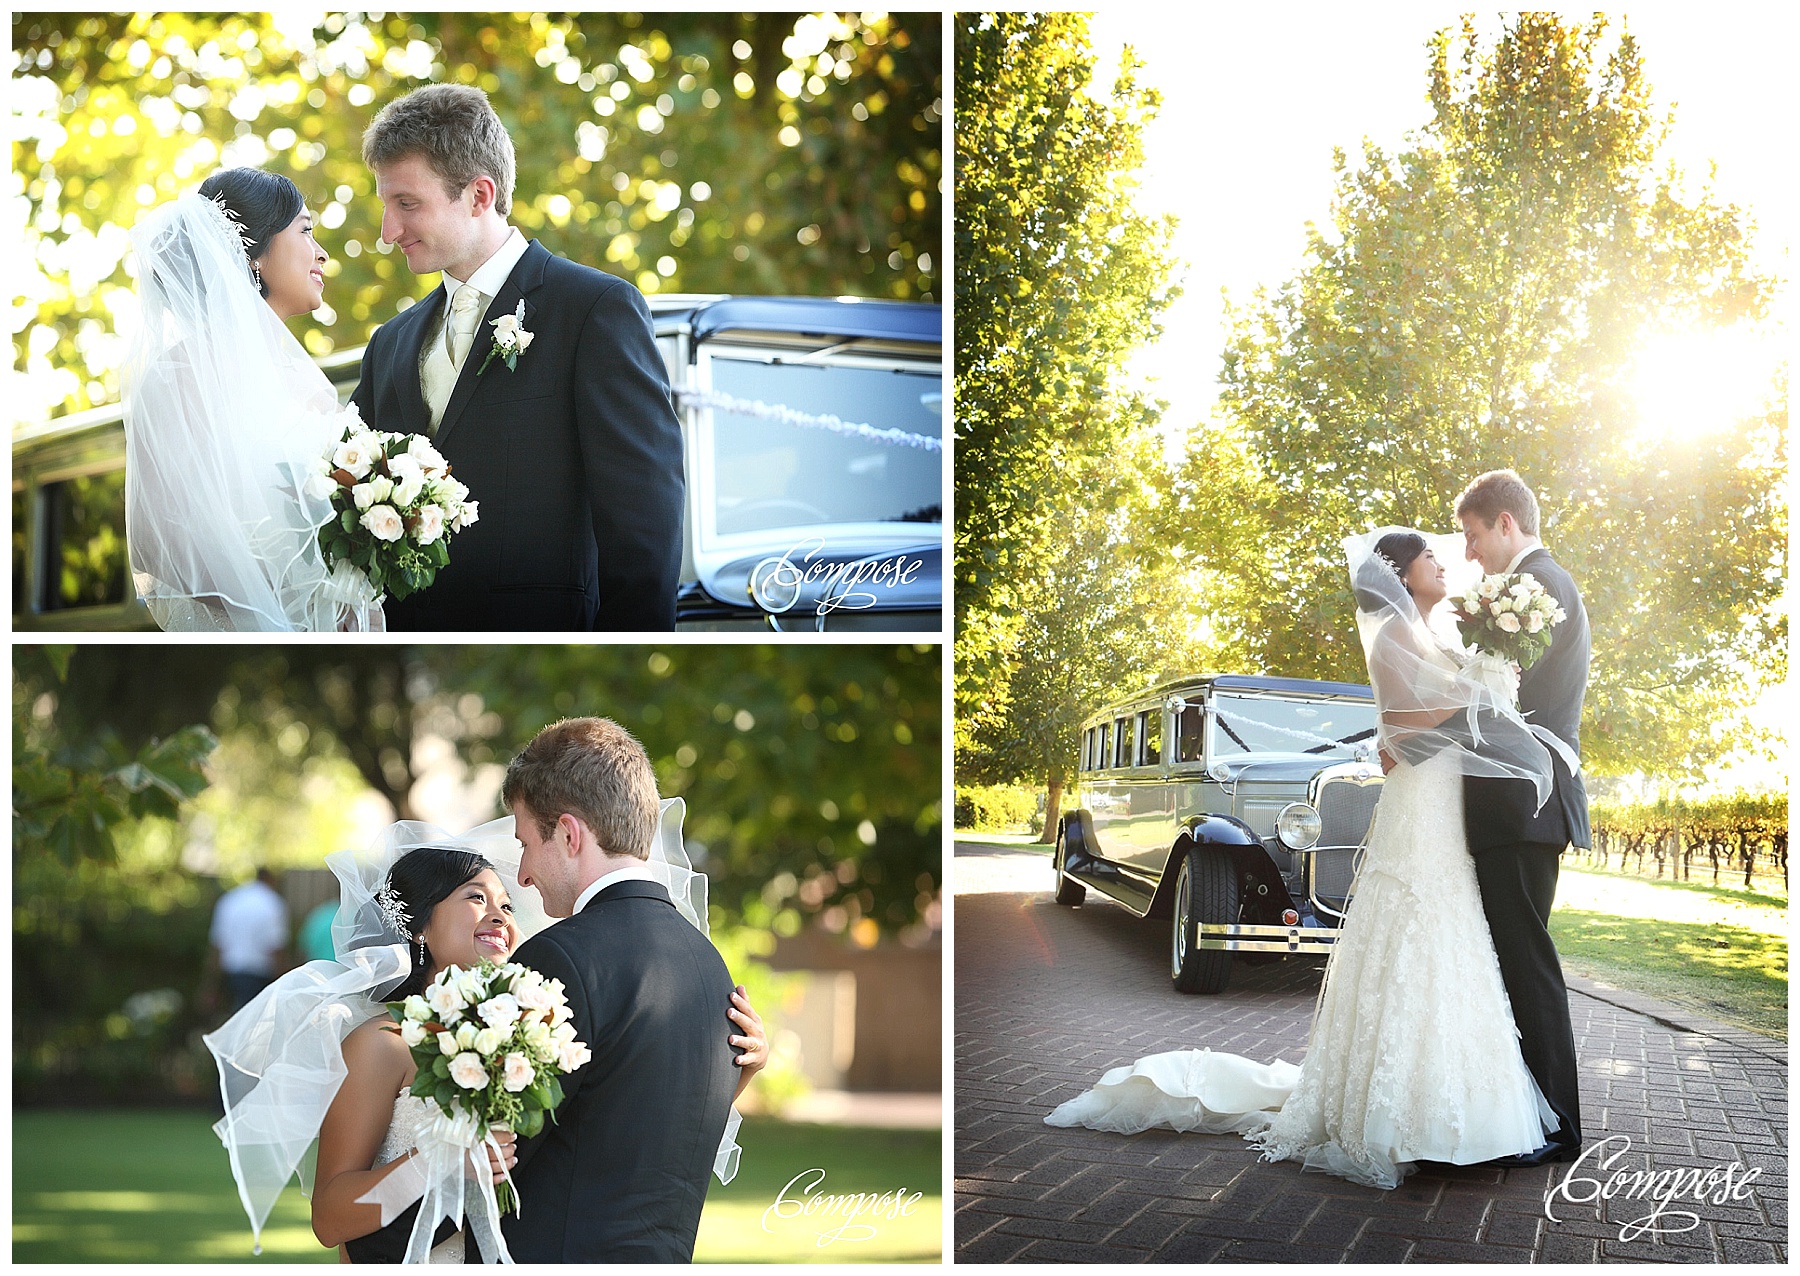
[(1048, 998)]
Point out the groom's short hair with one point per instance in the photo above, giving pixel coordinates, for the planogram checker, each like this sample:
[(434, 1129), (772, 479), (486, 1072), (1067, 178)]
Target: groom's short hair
[(1500, 492), (595, 770), (454, 128)]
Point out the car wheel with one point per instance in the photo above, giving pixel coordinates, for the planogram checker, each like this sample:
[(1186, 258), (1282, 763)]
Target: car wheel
[(1069, 892), (1206, 891)]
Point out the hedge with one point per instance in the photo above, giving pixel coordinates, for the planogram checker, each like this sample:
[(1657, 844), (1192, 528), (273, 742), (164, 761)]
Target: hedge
[(997, 808)]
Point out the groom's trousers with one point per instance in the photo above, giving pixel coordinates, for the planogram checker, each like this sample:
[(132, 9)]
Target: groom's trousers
[(1518, 887)]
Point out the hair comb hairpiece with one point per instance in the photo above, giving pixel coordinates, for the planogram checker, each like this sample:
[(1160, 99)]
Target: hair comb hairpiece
[(388, 901), (1392, 565), (245, 239)]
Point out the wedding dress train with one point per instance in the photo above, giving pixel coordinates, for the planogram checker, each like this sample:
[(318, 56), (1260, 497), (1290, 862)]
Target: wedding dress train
[(1413, 1053)]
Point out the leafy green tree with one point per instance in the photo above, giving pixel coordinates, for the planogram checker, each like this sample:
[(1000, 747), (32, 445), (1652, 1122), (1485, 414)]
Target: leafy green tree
[(696, 152), (1110, 609), (811, 774), (1477, 303), (1058, 277)]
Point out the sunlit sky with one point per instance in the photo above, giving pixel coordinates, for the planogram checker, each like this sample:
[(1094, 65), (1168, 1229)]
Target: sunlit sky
[(1256, 98)]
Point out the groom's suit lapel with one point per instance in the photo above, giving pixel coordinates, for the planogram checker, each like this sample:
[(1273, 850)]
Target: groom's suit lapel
[(415, 417), (524, 280)]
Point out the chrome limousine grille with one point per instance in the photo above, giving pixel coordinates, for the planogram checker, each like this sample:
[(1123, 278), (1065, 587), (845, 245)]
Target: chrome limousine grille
[(1345, 809)]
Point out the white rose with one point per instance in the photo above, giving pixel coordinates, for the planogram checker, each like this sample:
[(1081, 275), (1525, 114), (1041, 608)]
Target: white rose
[(320, 485), (466, 1032), (472, 984), (501, 1011), (1533, 623), (467, 1072), (560, 1014), (429, 458), (505, 328), (431, 524), (519, 1072), (1559, 616), (489, 1040), (352, 417), (1489, 587), (412, 1032), (409, 489), (375, 491), (353, 457), (1508, 622), (418, 1008), (446, 1000), (447, 1043), (538, 1038), (384, 522), (466, 513), (533, 995), (572, 1055), (525, 340)]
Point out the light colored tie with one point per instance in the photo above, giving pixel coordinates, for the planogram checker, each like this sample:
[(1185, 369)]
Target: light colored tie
[(445, 355)]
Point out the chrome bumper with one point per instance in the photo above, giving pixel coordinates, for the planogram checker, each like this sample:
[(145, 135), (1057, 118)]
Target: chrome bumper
[(1267, 939)]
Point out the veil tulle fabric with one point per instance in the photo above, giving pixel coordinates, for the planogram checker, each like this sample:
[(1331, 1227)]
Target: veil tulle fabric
[(1427, 706), (224, 412), (281, 1058)]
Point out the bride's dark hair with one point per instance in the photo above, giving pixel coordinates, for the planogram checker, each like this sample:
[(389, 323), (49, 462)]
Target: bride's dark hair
[(1394, 552), (265, 204), (421, 880)]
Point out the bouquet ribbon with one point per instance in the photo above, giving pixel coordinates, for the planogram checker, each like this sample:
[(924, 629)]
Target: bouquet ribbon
[(349, 588), (450, 1157)]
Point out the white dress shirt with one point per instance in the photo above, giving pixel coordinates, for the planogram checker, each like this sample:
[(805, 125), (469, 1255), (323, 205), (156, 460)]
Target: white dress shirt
[(630, 873)]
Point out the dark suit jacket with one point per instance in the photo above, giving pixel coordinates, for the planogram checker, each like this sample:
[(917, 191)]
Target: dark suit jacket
[(622, 1174), (1499, 812), (574, 458)]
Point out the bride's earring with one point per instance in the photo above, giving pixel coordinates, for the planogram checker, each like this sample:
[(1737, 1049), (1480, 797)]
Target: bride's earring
[(422, 952), (257, 271)]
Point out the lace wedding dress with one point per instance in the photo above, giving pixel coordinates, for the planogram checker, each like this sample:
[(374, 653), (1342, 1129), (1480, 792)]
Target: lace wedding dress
[(1413, 1053), (411, 1113)]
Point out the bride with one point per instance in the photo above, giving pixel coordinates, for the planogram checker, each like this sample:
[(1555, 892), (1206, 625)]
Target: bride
[(1413, 1054), (224, 412), (314, 1056)]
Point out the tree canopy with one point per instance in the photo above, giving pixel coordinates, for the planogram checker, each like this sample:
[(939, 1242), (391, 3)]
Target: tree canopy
[(1479, 302), (689, 152), (811, 774)]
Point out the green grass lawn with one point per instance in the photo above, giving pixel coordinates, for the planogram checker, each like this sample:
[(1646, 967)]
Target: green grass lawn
[(154, 1187), (1718, 951)]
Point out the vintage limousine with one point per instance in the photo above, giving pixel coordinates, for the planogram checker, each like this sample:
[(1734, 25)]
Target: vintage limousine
[(1234, 807), (813, 434)]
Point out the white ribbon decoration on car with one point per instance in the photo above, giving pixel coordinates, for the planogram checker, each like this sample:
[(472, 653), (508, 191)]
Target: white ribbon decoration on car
[(806, 420), (1359, 749)]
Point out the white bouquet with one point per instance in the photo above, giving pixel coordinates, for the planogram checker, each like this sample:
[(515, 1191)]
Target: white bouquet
[(396, 507), (1507, 619), (489, 1044)]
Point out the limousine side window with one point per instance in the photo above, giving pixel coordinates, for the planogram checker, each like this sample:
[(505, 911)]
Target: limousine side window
[(1150, 737), (1104, 737), (1122, 754), (1190, 731), (1087, 749), (84, 542)]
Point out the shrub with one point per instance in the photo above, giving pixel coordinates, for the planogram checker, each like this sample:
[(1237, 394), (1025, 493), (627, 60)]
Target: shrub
[(996, 808)]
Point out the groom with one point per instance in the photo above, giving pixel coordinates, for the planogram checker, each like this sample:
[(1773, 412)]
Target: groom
[(1516, 848), (574, 453), (621, 1174)]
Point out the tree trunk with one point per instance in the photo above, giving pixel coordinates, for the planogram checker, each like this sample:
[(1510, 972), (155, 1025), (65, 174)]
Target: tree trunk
[(1052, 811)]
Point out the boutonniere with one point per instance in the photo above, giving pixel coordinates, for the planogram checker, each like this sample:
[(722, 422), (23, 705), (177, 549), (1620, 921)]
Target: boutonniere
[(510, 340)]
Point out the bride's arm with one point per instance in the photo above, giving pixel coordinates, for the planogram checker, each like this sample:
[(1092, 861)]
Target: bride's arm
[(378, 1063)]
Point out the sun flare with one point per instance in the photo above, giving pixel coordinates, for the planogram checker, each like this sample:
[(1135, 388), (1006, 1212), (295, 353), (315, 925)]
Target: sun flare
[(1701, 381)]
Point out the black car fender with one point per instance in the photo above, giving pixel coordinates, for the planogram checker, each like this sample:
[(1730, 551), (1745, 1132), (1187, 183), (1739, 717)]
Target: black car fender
[(1078, 839), (1229, 834)]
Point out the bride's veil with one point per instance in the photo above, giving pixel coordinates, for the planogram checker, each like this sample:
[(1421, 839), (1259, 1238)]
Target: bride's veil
[(281, 1058), (223, 413), (1427, 707)]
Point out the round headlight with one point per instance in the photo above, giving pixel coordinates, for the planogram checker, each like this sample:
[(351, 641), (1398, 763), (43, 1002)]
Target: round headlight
[(1298, 826)]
